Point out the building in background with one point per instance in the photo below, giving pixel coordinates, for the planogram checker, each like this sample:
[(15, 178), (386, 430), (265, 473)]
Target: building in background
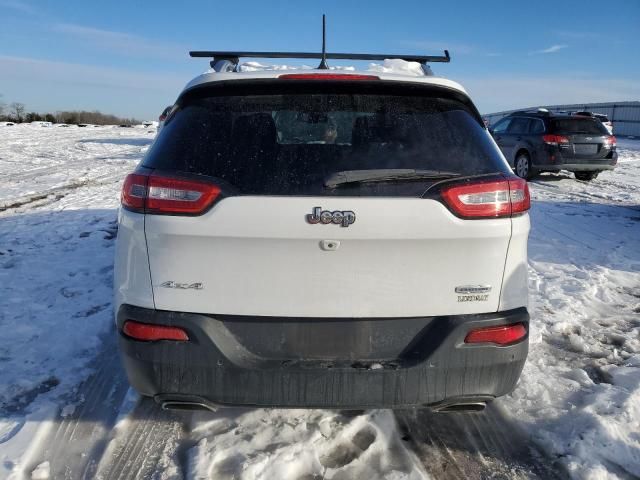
[(625, 116)]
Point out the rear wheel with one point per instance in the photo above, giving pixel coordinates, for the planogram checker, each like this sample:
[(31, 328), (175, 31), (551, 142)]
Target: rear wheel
[(586, 176), (523, 166)]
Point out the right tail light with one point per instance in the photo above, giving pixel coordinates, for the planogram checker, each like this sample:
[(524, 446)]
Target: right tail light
[(488, 199)]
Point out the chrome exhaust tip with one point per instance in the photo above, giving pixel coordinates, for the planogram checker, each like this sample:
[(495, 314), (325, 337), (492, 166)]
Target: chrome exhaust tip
[(463, 407), (186, 406)]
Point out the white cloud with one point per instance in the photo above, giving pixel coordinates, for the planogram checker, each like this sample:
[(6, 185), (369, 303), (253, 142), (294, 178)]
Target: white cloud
[(123, 43), (551, 49), (19, 6)]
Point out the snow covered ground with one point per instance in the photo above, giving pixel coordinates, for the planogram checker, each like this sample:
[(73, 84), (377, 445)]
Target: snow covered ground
[(579, 395), (64, 406)]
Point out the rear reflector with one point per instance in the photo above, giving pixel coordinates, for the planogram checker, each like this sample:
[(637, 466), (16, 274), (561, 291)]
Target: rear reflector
[(502, 335), (327, 76), (488, 199), (151, 333), (165, 195), (555, 139)]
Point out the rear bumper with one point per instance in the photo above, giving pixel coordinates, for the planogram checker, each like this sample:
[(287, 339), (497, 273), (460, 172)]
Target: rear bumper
[(580, 167), (555, 161), (324, 363)]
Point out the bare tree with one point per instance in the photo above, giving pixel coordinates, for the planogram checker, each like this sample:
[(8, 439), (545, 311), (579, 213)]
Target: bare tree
[(17, 109)]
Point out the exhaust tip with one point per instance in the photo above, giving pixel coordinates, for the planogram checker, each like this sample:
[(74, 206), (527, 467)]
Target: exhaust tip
[(463, 407), (186, 406)]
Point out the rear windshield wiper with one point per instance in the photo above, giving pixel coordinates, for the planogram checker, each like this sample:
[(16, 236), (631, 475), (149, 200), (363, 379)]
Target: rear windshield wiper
[(383, 175)]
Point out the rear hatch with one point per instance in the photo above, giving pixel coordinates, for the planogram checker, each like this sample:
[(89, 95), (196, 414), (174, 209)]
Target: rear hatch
[(586, 138), (327, 199)]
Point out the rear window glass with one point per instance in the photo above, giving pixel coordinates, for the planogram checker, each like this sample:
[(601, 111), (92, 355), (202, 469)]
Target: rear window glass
[(289, 144), (578, 126)]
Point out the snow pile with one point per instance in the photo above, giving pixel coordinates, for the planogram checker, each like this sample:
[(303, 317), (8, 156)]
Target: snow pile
[(579, 394), (259, 67), (391, 65), (265, 444), (396, 65)]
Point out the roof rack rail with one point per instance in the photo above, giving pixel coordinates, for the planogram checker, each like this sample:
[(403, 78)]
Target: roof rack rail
[(228, 61), (224, 61)]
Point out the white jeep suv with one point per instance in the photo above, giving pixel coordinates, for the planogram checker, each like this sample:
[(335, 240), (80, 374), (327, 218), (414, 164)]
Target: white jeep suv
[(324, 238)]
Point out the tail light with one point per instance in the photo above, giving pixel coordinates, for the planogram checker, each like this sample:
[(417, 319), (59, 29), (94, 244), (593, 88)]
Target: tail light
[(555, 139), (327, 76), (162, 118), (152, 333), (610, 141), (488, 199), (502, 335), (156, 194)]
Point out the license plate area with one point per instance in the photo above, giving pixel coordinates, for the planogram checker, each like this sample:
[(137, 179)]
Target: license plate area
[(585, 148)]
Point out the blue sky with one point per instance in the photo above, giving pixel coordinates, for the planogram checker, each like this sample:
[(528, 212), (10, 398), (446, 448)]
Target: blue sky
[(130, 58)]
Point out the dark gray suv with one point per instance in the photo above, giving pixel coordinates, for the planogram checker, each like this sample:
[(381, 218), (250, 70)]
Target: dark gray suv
[(541, 141)]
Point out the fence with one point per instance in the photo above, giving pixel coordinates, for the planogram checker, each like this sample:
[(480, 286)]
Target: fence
[(625, 116)]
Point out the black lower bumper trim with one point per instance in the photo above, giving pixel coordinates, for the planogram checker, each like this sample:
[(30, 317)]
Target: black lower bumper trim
[(425, 361)]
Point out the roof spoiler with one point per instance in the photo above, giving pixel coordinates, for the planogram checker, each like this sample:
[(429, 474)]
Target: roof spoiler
[(228, 61)]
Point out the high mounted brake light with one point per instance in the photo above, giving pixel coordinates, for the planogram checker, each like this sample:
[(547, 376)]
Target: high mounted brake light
[(488, 199), (154, 194), (327, 76)]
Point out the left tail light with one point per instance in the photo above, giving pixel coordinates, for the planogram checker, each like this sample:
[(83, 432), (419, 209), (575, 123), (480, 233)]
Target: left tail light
[(488, 199), (154, 194)]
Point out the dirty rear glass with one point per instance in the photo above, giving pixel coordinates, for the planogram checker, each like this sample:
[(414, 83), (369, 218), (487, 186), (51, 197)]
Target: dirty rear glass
[(579, 126), (289, 144)]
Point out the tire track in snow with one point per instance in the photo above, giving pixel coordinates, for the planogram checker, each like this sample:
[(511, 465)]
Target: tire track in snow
[(146, 446), (474, 446), (78, 440)]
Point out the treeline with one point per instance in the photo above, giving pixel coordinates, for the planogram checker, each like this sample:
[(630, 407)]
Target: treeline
[(16, 112)]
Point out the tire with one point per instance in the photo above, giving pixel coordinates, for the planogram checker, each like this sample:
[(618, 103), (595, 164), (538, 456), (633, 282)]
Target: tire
[(522, 166), (586, 176)]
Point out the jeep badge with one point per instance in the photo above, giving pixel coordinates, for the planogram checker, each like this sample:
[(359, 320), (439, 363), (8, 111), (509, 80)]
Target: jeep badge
[(344, 218)]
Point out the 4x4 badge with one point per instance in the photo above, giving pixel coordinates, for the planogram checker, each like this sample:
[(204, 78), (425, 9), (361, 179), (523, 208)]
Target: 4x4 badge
[(339, 217)]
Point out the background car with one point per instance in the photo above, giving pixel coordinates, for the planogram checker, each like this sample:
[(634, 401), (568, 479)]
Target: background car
[(538, 141), (163, 117)]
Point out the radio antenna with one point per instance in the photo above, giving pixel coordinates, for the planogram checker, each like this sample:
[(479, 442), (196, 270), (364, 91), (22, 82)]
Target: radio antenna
[(323, 63)]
